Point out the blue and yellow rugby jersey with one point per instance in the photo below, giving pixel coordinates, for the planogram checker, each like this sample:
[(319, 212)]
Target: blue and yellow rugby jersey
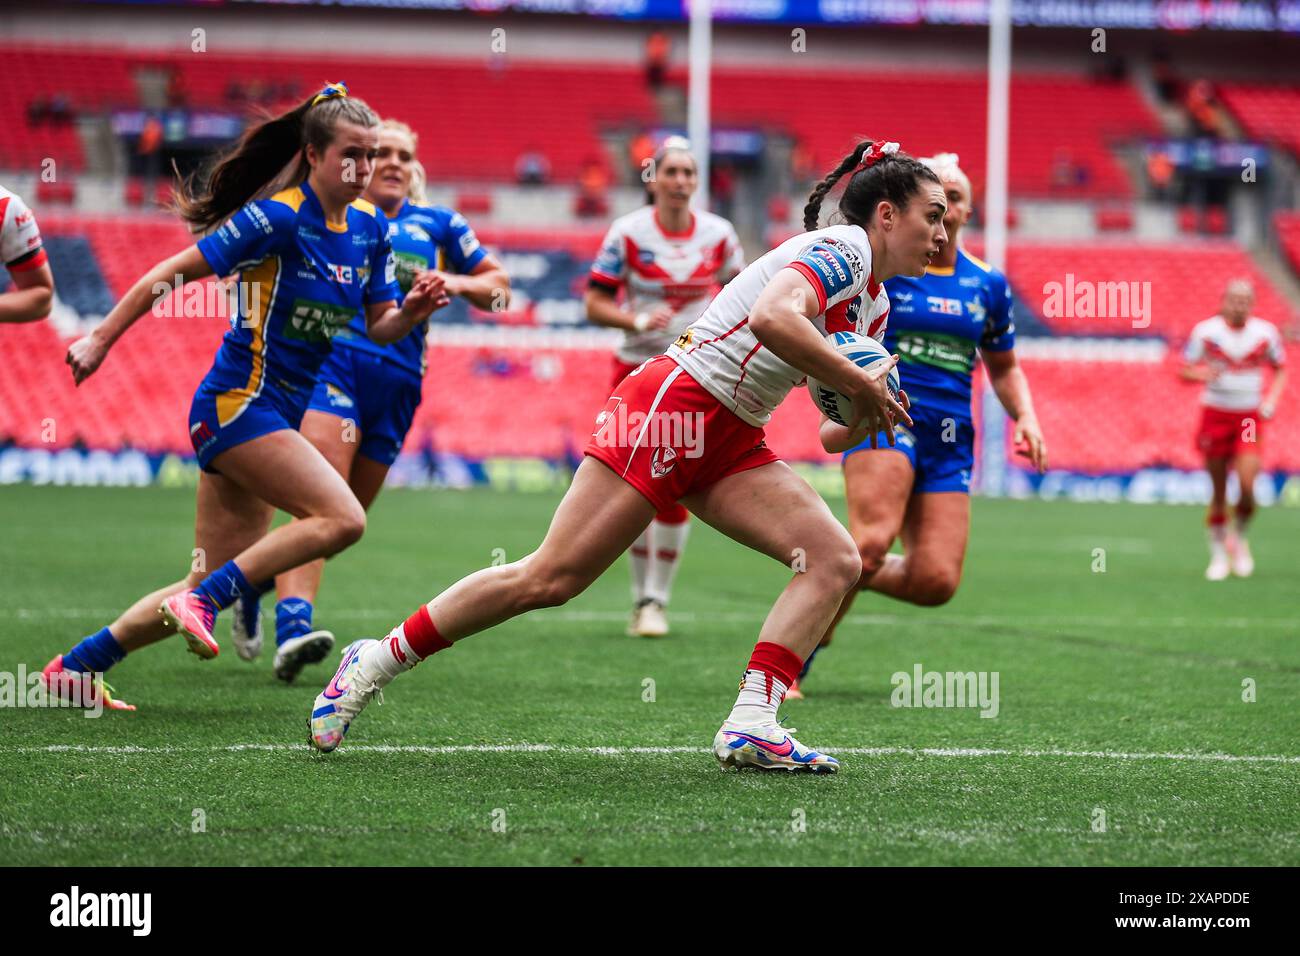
[(422, 237), (302, 280), (937, 322)]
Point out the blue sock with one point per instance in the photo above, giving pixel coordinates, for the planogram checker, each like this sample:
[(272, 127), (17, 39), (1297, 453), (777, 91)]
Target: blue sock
[(292, 619), (98, 652), (808, 663), (225, 584)]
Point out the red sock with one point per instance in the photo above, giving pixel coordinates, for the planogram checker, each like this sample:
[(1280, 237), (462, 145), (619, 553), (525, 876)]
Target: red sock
[(780, 662), (422, 635)]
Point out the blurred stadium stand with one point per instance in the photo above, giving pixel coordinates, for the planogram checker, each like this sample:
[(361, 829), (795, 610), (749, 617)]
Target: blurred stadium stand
[(1082, 207)]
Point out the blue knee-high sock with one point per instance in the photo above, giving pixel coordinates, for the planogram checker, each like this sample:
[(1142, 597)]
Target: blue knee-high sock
[(224, 585), (808, 663), (292, 619), (96, 653)]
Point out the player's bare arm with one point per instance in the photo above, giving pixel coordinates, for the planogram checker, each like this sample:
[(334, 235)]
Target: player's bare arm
[(32, 297), (87, 353), (486, 287), (603, 309), (779, 320), (1197, 372), (1012, 389), (386, 322)]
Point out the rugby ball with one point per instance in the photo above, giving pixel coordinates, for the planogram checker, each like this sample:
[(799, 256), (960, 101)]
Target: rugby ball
[(864, 352)]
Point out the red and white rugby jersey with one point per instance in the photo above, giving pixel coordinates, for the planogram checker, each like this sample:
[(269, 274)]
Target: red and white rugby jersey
[(682, 269), (722, 354), (20, 239), (1239, 356)]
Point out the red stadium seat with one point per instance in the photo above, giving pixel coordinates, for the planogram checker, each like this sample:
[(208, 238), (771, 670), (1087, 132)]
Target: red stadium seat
[(1269, 113), (1185, 283)]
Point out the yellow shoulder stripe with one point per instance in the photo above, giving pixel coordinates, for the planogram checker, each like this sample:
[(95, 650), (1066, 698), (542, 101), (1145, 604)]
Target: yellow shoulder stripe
[(292, 198)]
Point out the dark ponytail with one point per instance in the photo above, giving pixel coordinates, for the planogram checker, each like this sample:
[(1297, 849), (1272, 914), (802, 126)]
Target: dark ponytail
[(261, 157), (885, 176)]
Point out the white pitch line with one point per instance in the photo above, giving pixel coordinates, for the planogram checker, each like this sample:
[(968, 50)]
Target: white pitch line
[(744, 617), (436, 750)]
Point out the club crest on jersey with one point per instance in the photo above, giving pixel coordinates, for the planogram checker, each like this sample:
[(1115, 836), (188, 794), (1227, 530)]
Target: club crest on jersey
[(684, 340), (415, 231), (645, 256), (662, 461)]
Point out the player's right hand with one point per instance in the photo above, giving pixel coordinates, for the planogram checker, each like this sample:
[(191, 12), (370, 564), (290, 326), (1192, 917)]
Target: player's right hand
[(656, 319), (875, 409), (85, 355)]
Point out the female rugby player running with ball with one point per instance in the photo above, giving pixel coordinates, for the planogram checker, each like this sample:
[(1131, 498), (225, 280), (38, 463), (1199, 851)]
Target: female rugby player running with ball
[(921, 486), (308, 257), (670, 261), (758, 339), (367, 393)]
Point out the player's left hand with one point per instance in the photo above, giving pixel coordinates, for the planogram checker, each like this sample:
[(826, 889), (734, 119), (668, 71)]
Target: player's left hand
[(453, 282), (428, 294), (1029, 442), (85, 356)]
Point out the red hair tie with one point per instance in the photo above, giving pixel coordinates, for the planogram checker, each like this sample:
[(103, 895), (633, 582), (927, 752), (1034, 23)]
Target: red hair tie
[(873, 154)]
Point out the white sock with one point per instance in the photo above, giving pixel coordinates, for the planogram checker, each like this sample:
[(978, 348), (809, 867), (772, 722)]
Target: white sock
[(639, 558), (1218, 534), (760, 695), (388, 657), (670, 540)]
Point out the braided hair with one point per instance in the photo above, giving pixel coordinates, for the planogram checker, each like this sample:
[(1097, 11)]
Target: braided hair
[(877, 171)]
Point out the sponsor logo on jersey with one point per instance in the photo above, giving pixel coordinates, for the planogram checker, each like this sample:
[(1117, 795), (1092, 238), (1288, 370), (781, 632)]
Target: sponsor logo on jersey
[(259, 219), (943, 306), (831, 267), (851, 257), (970, 282), (338, 398), (341, 274), (311, 321), (662, 461), (407, 265), (684, 340), (308, 234), (468, 243), (645, 256), (949, 352), (234, 230)]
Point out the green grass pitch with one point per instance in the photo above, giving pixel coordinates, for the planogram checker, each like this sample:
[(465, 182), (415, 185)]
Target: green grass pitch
[(1105, 679)]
